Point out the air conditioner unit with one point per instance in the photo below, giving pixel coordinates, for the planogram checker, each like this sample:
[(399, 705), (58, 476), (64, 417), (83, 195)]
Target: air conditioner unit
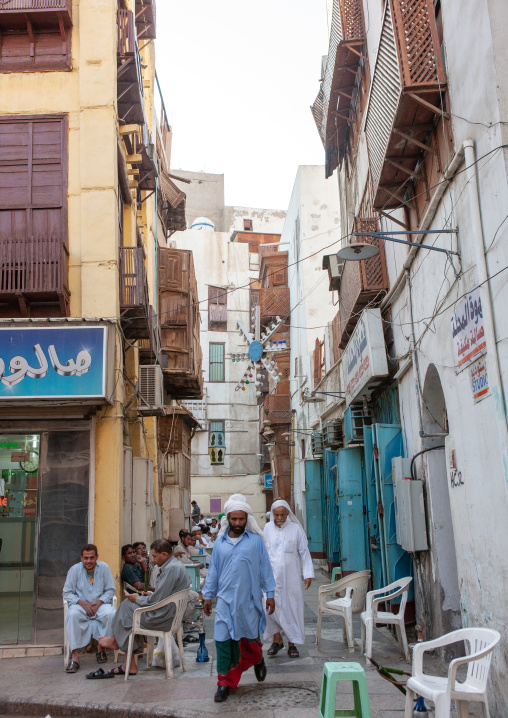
[(354, 421), (333, 436), (316, 443), (335, 267), (151, 392)]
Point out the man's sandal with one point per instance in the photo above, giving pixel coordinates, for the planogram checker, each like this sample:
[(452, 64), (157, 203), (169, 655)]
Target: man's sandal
[(260, 670), (293, 652), (275, 648), (72, 667), (101, 657), (118, 671), (100, 673)]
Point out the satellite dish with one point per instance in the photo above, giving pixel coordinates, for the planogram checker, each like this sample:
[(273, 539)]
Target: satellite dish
[(357, 252)]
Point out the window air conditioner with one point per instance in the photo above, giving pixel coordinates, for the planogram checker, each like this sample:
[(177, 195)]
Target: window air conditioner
[(150, 390), (333, 435), (317, 443)]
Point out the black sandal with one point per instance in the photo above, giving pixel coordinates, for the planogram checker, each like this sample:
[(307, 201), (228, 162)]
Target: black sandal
[(293, 652), (72, 667), (275, 648), (117, 671), (260, 670), (100, 673), (101, 657)]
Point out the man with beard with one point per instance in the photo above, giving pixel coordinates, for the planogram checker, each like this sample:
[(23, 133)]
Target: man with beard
[(286, 544), (238, 574)]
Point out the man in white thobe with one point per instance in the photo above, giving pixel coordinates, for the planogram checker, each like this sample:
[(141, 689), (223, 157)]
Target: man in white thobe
[(89, 589), (287, 548)]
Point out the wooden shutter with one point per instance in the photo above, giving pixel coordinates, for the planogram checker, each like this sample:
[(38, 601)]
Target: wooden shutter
[(33, 192)]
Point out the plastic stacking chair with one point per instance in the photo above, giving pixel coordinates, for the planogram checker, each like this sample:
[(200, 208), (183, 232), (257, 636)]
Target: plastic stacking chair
[(334, 672), (180, 601), (351, 591), (480, 643), (336, 573), (67, 648), (373, 615)]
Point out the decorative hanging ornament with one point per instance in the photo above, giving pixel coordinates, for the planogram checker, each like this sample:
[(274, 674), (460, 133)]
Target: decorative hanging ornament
[(260, 350)]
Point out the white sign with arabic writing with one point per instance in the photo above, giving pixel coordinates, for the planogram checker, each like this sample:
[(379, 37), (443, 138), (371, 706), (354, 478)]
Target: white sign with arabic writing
[(468, 331), (479, 379), (365, 356)]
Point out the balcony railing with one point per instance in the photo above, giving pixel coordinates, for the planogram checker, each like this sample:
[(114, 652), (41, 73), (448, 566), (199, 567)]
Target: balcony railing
[(274, 301), (339, 87), (277, 408), (406, 96), (145, 19), (361, 282), (34, 270), (42, 9), (134, 307), (129, 78)]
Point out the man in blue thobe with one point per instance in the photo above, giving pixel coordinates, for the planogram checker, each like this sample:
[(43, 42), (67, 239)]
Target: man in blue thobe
[(238, 574), (89, 589)]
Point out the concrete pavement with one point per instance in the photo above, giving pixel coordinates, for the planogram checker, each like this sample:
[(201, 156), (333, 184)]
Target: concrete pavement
[(40, 686)]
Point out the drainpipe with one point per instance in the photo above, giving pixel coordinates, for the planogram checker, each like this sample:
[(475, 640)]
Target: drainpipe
[(478, 246), (452, 168)]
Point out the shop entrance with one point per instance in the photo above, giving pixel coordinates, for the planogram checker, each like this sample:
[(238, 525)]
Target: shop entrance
[(19, 466)]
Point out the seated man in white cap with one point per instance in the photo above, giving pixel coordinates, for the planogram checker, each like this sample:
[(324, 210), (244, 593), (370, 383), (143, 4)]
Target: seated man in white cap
[(239, 573), (286, 544)]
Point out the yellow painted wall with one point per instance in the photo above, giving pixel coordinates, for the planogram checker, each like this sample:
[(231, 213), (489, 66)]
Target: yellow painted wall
[(87, 94)]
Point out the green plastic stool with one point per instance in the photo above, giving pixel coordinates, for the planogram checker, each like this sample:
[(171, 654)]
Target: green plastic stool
[(334, 672), (336, 571)]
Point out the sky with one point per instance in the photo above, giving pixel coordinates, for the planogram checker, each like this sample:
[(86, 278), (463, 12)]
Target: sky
[(238, 78)]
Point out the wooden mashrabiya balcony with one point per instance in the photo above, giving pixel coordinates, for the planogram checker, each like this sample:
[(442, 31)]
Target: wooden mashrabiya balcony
[(406, 97)]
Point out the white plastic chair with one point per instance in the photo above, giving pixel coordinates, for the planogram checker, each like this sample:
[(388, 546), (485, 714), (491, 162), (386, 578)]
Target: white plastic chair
[(180, 600), (480, 643), (352, 589), (67, 649), (372, 615)]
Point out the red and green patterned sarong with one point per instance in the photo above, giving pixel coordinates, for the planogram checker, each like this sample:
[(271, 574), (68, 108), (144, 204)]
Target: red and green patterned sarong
[(235, 657)]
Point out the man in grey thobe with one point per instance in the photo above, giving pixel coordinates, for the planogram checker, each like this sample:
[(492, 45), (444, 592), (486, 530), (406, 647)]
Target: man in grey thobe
[(89, 589), (172, 578)]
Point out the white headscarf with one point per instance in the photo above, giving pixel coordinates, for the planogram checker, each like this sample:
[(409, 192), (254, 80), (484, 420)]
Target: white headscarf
[(238, 502), (290, 517)]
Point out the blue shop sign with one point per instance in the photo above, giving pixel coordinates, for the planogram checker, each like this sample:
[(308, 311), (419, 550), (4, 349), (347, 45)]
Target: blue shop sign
[(53, 362), (268, 481)]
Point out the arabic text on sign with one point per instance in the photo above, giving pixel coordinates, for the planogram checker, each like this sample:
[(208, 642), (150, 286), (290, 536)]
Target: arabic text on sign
[(20, 368)]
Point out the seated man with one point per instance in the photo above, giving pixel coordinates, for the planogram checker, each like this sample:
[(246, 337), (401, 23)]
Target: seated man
[(89, 589), (187, 544), (214, 529), (172, 579), (133, 571)]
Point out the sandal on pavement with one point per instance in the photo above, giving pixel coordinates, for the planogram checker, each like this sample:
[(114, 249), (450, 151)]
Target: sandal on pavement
[(119, 671), (100, 673), (72, 667), (101, 657), (275, 648), (260, 670), (293, 652)]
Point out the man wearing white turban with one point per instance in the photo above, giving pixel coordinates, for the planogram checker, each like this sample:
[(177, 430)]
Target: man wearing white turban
[(238, 574), (286, 544)]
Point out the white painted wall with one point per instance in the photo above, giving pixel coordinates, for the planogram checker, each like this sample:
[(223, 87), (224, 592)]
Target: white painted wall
[(476, 62), (220, 262), (312, 229)]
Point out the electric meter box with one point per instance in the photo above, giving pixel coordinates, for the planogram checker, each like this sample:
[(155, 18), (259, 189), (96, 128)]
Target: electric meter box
[(409, 508)]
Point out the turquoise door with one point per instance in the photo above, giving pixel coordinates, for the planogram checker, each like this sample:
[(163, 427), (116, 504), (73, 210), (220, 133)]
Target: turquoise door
[(389, 561), (352, 519), (314, 505), (330, 510)]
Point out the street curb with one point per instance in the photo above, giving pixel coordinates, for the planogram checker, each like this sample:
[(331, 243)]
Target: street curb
[(58, 708)]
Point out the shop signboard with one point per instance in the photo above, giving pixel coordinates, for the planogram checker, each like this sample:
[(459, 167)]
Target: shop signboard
[(364, 361), (479, 379), (468, 331), (50, 362), (268, 481)]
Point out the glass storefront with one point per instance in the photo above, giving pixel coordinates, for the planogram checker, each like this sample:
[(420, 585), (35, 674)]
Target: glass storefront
[(44, 500)]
